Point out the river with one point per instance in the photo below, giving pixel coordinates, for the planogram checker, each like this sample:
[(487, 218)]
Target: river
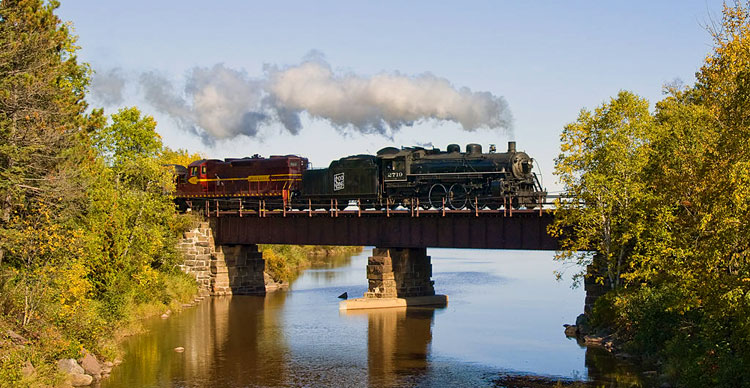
[(504, 316)]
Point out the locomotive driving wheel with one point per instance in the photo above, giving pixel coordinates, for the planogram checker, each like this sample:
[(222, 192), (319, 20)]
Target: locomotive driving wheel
[(437, 195), (457, 196), (477, 202)]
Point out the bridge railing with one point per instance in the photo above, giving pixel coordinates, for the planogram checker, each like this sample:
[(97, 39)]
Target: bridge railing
[(254, 207)]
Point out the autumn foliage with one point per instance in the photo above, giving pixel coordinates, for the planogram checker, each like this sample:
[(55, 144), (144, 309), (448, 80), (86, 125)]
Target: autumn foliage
[(661, 211), (87, 233)]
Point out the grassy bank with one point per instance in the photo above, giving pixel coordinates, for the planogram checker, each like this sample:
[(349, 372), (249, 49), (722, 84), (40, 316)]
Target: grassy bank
[(285, 262), (28, 352)]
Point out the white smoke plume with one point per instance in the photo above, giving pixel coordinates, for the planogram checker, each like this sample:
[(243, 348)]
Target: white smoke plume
[(222, 103), (107, 87), (383, 102)]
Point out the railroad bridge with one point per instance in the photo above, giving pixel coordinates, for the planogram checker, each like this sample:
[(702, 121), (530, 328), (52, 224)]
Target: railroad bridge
[(224, 256)]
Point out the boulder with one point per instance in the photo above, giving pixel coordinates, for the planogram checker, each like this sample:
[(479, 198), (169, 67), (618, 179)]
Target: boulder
[(582, 324), (591, 340), (70, 366), (106, 368), (91, 366), (28, 369), (80, 380), (16, 338), (571, 330)]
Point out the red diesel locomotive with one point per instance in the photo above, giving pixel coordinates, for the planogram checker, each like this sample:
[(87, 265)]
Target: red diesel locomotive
[(255, 178)]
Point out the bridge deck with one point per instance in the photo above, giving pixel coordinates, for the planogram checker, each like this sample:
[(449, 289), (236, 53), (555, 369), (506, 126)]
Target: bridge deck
[(482, 229)]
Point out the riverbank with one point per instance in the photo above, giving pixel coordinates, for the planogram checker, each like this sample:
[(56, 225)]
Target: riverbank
[(284, 263), (30, 354)]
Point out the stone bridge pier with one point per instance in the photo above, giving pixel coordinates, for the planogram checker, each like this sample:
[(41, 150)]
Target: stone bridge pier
[(229, 269), (398, 277)]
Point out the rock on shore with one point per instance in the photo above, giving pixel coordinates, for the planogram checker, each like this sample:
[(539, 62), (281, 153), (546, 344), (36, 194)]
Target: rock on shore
[(76, 375), (85, 371)]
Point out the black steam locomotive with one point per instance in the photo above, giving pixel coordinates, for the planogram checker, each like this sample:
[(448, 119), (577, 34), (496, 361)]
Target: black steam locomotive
[(429, 178)]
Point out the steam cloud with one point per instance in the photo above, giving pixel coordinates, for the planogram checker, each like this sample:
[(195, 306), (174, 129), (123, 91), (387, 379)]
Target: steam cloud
[(222, 103), (107, 87), (384, 101)]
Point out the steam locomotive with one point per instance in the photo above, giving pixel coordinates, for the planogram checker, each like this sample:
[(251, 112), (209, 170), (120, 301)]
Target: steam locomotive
[(410, 176)]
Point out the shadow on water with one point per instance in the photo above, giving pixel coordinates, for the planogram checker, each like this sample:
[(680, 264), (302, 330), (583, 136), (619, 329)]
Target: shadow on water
[(503, 328)]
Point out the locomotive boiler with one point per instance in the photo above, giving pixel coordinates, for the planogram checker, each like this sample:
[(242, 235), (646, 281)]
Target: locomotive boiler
[(429, 178)]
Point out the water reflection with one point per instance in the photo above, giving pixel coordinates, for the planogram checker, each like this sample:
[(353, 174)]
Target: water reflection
[(398, 341), (611, 372), (254, 348), (505, 316), (322, 268), (228, 341)]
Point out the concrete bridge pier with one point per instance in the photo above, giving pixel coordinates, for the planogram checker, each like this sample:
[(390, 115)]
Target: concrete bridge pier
[(398, 277)]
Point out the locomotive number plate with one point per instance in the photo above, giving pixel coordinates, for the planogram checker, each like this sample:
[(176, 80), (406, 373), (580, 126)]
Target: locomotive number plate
[(338, 182), (395, 175)]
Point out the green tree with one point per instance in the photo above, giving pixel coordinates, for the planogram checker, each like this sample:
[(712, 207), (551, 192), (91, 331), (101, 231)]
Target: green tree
[(672, 194), (179, 156), (131, 221), (41, 114), (41, 107), (600, 166)]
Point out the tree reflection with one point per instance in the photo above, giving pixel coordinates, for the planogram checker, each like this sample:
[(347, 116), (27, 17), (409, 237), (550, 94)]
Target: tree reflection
[(606, 370), (247, 329)]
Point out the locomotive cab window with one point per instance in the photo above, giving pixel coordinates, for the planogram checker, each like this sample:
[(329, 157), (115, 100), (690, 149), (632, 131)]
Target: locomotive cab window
[(203, 170), (193, 171), (395, 169), (293, 163)]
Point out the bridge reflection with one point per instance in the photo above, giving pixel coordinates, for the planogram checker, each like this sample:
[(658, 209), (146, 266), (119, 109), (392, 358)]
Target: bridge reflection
[(398, 342)]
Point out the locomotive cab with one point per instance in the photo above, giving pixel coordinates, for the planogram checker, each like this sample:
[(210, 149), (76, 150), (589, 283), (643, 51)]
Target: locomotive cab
[(394, 170), (199, 172)]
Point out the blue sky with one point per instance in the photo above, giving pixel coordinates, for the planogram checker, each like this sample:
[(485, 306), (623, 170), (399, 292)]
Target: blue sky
[(546, 59)]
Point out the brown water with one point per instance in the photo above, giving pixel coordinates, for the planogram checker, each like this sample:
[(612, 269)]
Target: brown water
[(505, 315)]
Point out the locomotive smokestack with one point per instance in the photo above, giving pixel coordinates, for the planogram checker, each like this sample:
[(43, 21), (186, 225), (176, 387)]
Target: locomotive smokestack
[(511, 146)]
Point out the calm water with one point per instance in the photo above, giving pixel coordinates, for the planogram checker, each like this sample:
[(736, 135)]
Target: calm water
[(505, 314)]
